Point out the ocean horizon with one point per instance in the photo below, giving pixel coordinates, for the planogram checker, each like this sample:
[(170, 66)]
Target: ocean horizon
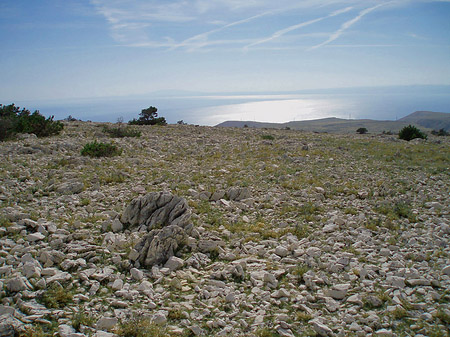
[(382, 103)]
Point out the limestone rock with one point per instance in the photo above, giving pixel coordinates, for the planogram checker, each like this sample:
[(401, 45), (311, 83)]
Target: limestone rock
[(71, 187), (238, 193), (156, 210), (16, 284), (10, 326), (174, 263), (107, 323), (159, 245)]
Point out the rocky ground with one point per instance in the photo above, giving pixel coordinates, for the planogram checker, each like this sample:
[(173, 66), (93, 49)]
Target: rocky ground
[(294, 234)]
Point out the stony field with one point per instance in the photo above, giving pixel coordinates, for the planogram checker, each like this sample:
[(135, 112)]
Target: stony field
[(290, 234)]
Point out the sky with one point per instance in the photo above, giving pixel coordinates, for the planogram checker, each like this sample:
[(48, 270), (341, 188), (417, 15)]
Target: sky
[(67, 49)]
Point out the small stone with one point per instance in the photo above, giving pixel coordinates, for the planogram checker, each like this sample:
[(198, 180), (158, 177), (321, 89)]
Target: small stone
[(281, 251), (137, 274), (320, 328), (355, 299), (16, 284), (446, 270), (117, 284), (104, 334), (159, 318), (418, 282), (106, 323), (116, 226), (33, 237), (270, 278), (331, 304), (313, 251), (338, 291), (174, 263), (65, 330), (280, 293), (355, 327), (285, 332), (384, 333), (230, 298), (396, 281), (134, 255), (329, 228), (119, 304)]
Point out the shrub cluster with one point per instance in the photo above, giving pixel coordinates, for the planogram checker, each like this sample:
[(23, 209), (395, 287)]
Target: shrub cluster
[(411, 132), (440, 132), (13, 121), (121, 132), (95, 149)]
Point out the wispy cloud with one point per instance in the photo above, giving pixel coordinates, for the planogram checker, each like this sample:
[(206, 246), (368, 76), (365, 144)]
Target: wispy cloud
[(284, 31), (200, 40), (346, 25), (172, 24)]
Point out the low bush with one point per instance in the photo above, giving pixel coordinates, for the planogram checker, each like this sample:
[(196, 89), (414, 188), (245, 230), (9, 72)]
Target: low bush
[(96, 149), (121, 132), (267, 137), (139, 327), (13, 121), (440, 132), (362, 131), (411, 132), (55, 297)]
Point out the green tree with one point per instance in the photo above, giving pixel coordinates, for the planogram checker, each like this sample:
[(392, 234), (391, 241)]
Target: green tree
[(362, 131), (149, 116)]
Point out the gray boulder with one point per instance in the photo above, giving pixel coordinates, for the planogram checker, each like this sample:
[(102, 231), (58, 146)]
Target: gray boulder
[(10, 326), (70, 187), (238, 193), (159, 245), (167, 218), (156, 210)]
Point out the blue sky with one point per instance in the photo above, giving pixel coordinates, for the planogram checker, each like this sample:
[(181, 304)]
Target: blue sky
[(64, 49)]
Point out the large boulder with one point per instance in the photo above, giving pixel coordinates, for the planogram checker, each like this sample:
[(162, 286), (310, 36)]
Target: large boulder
[(156, 210), (166, 217), (159, 245)]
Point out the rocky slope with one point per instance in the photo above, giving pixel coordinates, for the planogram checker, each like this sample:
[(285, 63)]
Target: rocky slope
[(290, 234)]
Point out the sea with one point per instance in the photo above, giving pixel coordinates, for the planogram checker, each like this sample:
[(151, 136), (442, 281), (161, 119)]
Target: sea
[(380, 103)]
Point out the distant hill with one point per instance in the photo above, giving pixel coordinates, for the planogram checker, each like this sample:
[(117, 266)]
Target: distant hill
[(426, 120), (429, 119)]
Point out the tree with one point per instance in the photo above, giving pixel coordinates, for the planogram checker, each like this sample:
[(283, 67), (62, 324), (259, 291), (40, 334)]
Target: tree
[(362, 131), (410, 132), (149, 116)]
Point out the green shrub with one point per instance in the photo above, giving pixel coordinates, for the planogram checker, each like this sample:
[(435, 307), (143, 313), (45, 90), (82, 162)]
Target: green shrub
[(411, 132), (82, 318), (362, 131), (121, 132), (440, 132), (267, 137), (13, 121), (96, 149), (140, 327), (55, 297)]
